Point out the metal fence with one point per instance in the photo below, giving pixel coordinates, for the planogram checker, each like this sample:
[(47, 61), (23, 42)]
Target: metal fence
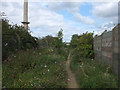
[(107, 48)]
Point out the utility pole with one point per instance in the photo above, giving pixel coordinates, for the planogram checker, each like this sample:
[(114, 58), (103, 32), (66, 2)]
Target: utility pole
[(25, 16)]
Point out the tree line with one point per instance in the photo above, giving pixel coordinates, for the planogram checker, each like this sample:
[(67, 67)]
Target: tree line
[(16, 38)]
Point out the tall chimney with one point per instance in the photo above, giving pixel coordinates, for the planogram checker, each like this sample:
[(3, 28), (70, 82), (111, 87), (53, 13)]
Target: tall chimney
[(25, 18)]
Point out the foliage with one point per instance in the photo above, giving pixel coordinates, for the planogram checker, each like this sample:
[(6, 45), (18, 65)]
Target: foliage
[(15, 38), (58, 41), (92, 74), (48, 41), (35, 69), (83, 44), (53, 42)]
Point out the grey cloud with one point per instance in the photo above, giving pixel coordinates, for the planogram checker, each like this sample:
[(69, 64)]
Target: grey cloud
[(107, 10)]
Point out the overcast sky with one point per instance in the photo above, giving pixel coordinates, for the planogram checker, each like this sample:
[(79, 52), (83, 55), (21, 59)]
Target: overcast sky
[(46, 18)]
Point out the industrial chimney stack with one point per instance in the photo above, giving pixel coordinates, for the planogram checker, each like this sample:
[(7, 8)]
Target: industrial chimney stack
[(25, 18)]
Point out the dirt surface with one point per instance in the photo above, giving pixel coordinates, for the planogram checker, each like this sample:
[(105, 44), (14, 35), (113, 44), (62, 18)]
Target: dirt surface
[(71, 77)]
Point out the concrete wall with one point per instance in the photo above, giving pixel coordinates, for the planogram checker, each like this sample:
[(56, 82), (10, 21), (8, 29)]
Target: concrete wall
[(107, 48), (119, 51)]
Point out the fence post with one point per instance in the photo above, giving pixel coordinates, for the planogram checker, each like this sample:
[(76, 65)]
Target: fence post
[(119, 39)]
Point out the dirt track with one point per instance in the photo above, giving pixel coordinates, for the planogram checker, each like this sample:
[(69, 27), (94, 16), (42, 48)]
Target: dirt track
[(71, 78)]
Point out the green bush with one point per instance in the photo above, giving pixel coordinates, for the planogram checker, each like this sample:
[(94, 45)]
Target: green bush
[(83, 45), (15, 38)]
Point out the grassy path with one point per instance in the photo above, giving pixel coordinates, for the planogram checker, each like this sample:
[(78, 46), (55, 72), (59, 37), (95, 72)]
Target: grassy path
[(71, 78)]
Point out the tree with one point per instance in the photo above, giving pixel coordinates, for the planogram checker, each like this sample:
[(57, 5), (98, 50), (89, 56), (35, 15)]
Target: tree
[(15, 38), (58, 40), (83, 44)]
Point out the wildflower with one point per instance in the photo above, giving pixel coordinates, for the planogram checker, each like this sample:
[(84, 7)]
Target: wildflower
[(33, 48), (48, 70), (68, 79), (3, 87), (31, 84), (45, 66), (6, 44), (20, 80), (80, 65), (9, 59), (5, 60), (34, 77), (14, 56), (51, 50)]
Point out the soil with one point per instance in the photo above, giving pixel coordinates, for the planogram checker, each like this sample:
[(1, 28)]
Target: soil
[(71, 77)]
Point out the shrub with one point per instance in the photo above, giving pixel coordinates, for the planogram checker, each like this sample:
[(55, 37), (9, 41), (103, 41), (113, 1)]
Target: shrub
[(83, 45), (15, 38)]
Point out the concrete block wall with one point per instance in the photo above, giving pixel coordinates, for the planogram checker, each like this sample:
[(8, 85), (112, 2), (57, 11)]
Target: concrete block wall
[(107, 48), (97, 47), (119, 51), (115, 50)]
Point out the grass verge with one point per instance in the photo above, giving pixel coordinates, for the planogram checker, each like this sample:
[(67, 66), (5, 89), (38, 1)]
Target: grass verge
[(91, 74)]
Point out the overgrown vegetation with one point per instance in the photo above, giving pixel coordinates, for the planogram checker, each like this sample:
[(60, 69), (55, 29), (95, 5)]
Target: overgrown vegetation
[(29, 62), (83, 45), (89, 73), (35, 69), (15, 38)]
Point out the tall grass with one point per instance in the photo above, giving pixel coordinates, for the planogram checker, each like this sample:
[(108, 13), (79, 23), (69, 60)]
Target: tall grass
[(91, 74), (35, 69)]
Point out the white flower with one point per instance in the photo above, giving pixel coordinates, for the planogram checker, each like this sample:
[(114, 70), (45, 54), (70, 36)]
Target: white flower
[(68, 79), (31, 84), (6, 44), (14, 56), (80, 65), (45, 66), (48, 70)]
